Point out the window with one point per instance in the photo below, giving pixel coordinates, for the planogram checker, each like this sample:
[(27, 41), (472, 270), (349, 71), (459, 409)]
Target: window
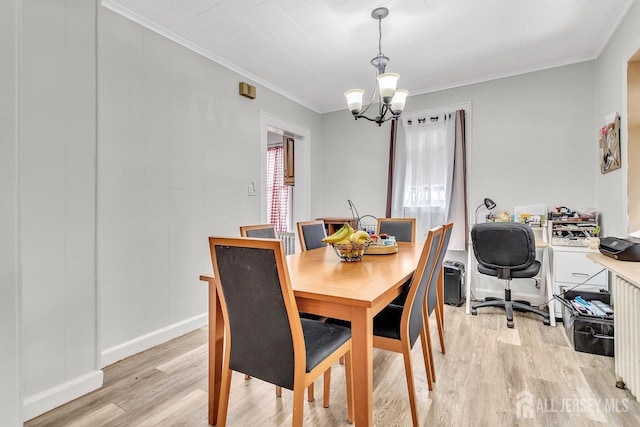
[(429, 172), (277, 191), (426, 169)]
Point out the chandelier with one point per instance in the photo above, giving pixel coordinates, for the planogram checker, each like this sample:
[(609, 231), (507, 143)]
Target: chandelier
[(390, 100)]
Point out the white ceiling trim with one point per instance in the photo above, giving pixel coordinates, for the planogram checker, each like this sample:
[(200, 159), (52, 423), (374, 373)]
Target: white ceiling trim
[(115, 7), (510, 73), (491, 77), (613, 27), (610, 28)]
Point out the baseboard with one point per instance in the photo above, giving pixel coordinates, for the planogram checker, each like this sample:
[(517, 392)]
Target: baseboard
[(47, 400), (152, 339)]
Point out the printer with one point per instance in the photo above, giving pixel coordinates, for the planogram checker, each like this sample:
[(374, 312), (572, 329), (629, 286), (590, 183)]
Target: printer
[(627, 249)]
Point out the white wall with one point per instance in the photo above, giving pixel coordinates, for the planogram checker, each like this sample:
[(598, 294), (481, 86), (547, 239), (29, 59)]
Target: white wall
[(58, 157), (355, 161), (610, 83), (530, 142), (10, 382), (177, 147)]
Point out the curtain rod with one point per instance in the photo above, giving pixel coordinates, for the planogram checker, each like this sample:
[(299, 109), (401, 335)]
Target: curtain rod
[(432, 119)]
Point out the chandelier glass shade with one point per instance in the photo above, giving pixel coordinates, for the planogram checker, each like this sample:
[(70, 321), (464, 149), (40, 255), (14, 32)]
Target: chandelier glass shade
[(390, 100)]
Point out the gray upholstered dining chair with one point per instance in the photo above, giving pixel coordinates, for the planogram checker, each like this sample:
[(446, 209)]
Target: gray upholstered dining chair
[(434, 294), (311, 234), (264, 334), (397, 326), (433, 300), (506, 250), (266, 231), (403, 229)]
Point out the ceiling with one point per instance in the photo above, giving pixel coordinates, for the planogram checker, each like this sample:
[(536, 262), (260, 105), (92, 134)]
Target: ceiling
[(313, 50)]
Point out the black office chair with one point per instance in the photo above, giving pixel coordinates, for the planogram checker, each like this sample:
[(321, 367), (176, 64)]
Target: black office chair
[(506, 250), (311, 234), (264, 334)]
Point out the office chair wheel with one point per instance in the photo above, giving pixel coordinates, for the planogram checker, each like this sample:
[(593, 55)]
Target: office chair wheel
[(474, 311), (510, 324), (546, 321)]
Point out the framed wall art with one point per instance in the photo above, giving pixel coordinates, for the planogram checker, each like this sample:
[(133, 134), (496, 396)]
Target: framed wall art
[(609, 142)]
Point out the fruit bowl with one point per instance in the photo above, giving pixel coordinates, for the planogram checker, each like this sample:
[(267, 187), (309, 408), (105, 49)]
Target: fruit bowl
[(350, 251)]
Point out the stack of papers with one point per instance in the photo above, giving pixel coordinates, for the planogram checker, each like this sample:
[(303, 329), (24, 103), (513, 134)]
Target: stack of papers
[(592, 308)]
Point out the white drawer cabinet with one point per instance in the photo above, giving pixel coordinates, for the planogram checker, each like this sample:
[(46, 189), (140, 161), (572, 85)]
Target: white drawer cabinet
[(570, 268)]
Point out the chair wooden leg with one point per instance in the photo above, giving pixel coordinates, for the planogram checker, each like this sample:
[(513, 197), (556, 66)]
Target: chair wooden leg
[(440, 322), (425, 356), (441, 293), (408, 369), (427, 333), (327, 388), (225, 388), (310, 393), (350, 397), (298, 406), (427, 336), (440, 309), (278, 391)]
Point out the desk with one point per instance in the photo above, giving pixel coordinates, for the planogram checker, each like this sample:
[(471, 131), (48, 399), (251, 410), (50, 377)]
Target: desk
[(327, 286), (626, 320), (546, 273)]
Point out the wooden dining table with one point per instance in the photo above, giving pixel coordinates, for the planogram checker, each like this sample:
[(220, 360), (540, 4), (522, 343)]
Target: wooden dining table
[(327, 286)]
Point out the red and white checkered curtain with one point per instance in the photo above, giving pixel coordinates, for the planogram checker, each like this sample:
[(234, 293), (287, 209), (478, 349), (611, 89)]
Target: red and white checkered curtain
[(277, 192)]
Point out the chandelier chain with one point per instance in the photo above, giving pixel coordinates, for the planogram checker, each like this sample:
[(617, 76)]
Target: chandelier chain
[(380, 36)]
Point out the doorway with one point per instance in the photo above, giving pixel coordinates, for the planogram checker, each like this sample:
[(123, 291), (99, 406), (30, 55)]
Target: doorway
[(280, 180), (633, 145), (300, 197)]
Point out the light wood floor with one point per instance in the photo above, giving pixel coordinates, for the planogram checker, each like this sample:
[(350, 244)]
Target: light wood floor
[(478, 384)]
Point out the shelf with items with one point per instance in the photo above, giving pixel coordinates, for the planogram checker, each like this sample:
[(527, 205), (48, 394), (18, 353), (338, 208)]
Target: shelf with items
[(572, 231)]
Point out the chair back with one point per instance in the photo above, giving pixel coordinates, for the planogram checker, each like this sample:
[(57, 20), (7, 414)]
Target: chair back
[(432, 295), (412, 315), (504, 245), (265, 231), (403, 229), (311, 234), (263, 328)]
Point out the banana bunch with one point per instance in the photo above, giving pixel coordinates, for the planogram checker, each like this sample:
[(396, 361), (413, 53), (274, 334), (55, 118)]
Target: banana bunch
[(346, 234)]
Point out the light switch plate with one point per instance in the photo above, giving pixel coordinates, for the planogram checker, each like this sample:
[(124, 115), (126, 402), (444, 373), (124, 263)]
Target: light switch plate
[(252, 188)]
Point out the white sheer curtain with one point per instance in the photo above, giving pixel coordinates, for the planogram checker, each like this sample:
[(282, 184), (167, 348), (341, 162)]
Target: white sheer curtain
[(423, 172)]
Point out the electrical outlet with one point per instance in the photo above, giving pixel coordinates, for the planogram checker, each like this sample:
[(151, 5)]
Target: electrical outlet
[(252, 188)]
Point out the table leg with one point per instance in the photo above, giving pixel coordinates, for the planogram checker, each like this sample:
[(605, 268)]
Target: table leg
[(216, 340), (469, 274), (362, 368), (549, 285)]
